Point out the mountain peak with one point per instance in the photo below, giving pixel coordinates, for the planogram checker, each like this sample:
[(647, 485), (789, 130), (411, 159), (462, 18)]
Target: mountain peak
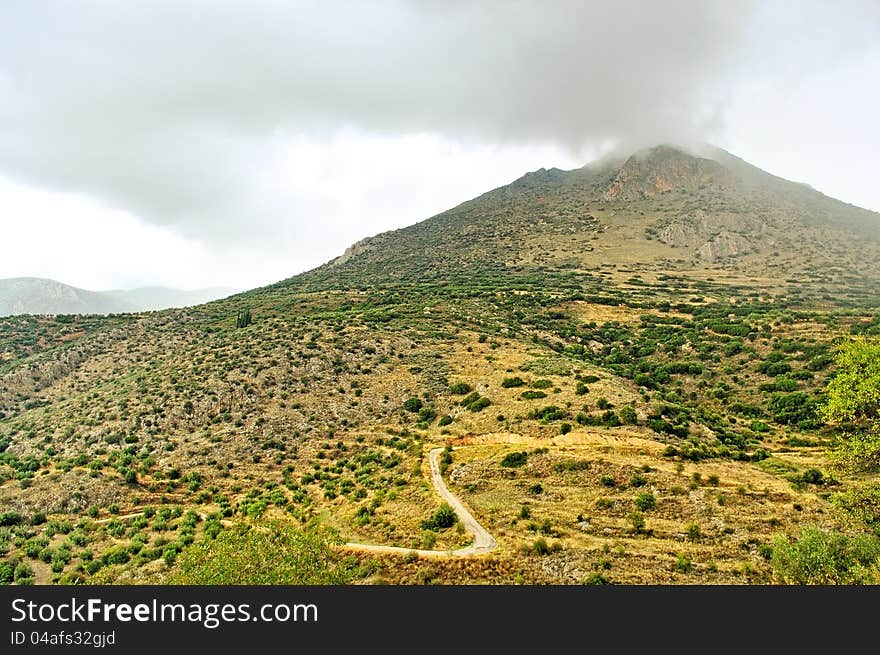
[(665, 168)]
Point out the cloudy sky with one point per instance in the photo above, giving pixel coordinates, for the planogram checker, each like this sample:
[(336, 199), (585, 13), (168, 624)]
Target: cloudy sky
[(195, 143)]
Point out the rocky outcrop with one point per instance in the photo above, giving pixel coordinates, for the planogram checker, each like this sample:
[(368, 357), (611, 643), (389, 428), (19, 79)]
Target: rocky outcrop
[(664, 169), (717, 236)]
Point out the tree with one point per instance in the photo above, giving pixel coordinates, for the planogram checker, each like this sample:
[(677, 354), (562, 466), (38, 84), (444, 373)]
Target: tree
[(853, 402), (819, 557), (243, 319)]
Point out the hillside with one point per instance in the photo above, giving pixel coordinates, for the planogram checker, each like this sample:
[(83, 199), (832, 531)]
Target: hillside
[(621, 363), (28, 295)]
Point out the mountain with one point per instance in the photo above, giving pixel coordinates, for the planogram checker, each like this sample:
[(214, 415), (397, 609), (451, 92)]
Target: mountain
[(661, 209), (29, 295), (615, 371)]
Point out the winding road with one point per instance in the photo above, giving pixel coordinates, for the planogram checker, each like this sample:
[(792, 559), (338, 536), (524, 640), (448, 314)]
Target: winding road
[(483, 541)]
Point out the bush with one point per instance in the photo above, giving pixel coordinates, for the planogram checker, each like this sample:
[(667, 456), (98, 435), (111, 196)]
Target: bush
[(7, 572), (638, 480), (10, 518), (460, 388), (427, 414), (813, 476), (412, 404), (23, 571), (470, 398), (693, 532), (628, 415), (637, 519), (445, 420), (645, 501), (443, 517), (509, 383), (596, 578), (116, 556), (532, 395), (683, 563), (512, 460), (819, 557), (549, 413), (479, 405)]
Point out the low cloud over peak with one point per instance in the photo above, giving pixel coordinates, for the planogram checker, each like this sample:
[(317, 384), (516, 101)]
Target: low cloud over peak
[(183, 113)]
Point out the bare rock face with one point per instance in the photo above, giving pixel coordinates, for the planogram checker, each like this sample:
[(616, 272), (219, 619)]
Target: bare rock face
[(725, 245), (714, 237), (663, 169), (362, 246)]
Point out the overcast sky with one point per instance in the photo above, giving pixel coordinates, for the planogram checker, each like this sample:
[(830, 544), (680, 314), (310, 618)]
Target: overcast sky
[(197, 143)]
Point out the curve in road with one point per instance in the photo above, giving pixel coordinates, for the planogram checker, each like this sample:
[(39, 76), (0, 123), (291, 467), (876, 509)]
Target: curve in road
[(483, 541)]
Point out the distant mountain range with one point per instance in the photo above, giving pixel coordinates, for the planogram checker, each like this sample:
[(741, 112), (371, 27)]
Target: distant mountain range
[(31, 295)]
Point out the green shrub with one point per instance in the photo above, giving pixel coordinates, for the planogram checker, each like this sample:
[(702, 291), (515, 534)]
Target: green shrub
[(23, 571), (820, 557), (460, 388), (479, 405), (7, 572), (532, 395), (412, 404), (427, 414), (645, 501), (10, 518), (628, 415), (683, 563), (445, 420), (549, 413), (813, 476), (512, 460), (470, 398), (596, 578), (637, 520), (442, 518), (510, 383), (638, 479)]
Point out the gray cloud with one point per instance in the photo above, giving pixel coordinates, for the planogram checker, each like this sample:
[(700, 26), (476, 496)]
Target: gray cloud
[(175, 110)]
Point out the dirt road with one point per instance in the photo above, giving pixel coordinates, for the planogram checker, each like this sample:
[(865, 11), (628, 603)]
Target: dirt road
[(483, 541)]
